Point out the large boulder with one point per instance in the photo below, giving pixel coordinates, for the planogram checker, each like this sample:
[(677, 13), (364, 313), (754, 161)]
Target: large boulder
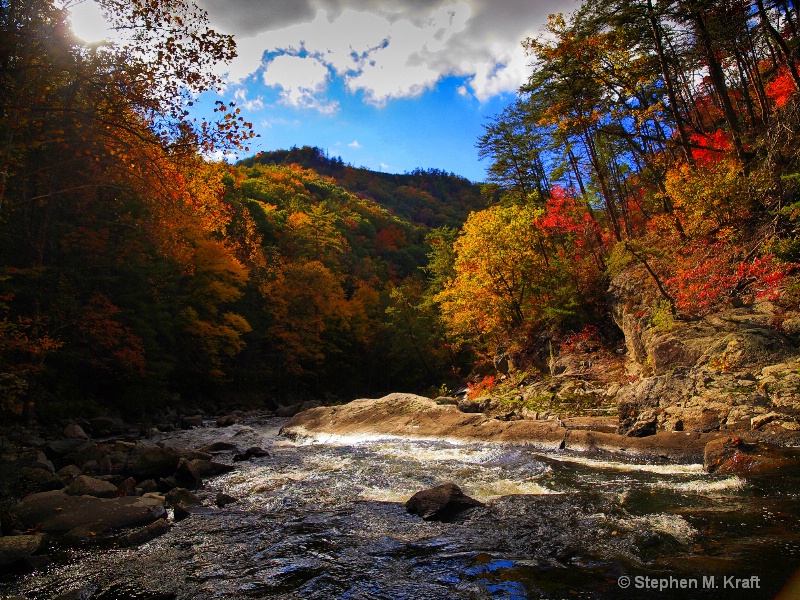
[(735, 339), (440, 503), (57, 512)]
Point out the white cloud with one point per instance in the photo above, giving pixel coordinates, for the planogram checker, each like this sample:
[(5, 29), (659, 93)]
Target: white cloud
[(302, 81), (354, 144), (387, 49), (253, 105)]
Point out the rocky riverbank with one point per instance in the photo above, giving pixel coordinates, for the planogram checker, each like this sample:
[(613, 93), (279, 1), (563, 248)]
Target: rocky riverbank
[(99, 483), (408, 415)]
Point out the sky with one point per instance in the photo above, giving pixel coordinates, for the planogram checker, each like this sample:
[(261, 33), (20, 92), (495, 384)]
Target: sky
[(391, 85)]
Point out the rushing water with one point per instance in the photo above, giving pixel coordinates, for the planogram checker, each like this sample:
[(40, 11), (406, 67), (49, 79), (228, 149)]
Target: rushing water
[(324, 519)]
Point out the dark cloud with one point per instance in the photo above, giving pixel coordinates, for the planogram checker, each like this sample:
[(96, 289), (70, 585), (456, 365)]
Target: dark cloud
[(249, 17)]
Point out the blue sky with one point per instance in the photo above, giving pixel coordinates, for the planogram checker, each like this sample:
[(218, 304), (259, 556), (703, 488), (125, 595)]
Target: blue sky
[(389, 85)]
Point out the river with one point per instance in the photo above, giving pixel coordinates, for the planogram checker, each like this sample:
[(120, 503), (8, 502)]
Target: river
[(323, 518)]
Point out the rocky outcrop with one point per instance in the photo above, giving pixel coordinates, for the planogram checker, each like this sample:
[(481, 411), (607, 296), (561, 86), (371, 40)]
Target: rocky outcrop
[(730, 371), (440, 503)]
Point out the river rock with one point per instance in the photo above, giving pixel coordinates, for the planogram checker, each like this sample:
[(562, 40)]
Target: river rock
[(148, 486), (181, 500), (35, 459), (478, 405), (17, 547), (151, 461), (440, 503), (83, 485), (288, 411), (73, 431), (88, 452), (145, 534), (231, 419), (217, 447), (103, 426), (444, 400), (88, 532), (252, 451), (761, 420), (187, 474), (62, 451), (57, 512), (192, 421), (224, 499), (69, 473), (210, 468), (31, 481)]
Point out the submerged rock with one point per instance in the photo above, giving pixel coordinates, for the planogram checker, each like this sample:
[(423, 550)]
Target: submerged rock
[(145, 534), (736, 456), (440, 503)]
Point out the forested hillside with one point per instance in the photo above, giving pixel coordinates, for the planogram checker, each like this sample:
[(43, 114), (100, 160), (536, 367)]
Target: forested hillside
[(430, 197)]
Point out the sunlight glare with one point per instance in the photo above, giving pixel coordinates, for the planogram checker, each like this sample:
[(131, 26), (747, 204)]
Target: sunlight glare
[(88, 22)]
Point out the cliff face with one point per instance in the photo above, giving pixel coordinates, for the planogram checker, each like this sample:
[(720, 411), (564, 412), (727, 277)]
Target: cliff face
[(734, 370)]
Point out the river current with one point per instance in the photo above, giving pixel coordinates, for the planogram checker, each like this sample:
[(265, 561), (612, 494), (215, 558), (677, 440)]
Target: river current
[(323, 518)]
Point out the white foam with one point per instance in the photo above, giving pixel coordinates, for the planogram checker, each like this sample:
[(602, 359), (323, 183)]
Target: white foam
[(704, 486), (497, 488), (674, 525), (464, 454), (629, 467)]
